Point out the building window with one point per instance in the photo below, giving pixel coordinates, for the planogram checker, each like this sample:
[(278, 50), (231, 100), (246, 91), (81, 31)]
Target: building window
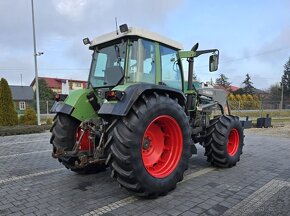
[(78, 84), (22, 105)]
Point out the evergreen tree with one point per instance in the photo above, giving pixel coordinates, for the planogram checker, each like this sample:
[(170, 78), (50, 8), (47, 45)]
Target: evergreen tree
[(286, 78), (275, 92), (248, 85), (45, 93), (223, 81), (8, 115)]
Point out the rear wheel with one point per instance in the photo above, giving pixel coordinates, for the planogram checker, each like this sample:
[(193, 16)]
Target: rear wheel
[(150, 147), (224, 142), (65, 131)]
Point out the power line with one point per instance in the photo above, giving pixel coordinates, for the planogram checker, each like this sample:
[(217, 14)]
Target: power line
[(64, 68), (258, 54), (249, 57), (202, 66), (43, 69)]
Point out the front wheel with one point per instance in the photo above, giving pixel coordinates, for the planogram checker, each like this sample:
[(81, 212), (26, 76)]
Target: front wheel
[(150, 147), (224, 141)]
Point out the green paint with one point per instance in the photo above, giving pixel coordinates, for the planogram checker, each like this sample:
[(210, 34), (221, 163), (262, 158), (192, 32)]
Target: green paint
[(126, 67), (82, 108), (185, 85), (186, 54), (123, 87), (158, 64), (196, 85), (192, 91)]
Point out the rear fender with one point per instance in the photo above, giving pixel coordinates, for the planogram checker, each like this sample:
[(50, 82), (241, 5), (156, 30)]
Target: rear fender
[(131, 95), (78, 106)]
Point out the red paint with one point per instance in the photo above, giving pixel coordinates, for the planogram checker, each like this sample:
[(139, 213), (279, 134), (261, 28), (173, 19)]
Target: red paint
[(162, 146), (233, 142), (85, 143)]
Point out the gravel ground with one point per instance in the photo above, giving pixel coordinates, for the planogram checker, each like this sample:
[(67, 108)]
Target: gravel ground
[(278, 130)]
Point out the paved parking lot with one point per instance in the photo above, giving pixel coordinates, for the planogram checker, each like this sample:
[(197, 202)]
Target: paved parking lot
[(33, 183)]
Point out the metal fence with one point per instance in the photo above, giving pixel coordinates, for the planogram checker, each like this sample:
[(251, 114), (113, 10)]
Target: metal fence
[(44, 106), (241, 108), (258, 105)]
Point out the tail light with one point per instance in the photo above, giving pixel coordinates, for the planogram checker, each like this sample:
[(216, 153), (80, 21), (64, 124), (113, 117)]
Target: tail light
[(114, 95), (57, 97)]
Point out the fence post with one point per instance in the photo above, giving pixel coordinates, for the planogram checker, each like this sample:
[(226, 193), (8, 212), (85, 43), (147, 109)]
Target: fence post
[(260, 108), (46, 109)]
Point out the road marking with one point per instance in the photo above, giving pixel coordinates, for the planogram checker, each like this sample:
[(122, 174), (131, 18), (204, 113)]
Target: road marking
[(196, 174), (32, 141), (257, 199), (112, 206), (16, 178), (22, 154), (120, 203)]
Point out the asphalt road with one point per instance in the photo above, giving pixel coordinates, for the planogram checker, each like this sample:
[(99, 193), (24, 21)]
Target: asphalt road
[(33, 183)]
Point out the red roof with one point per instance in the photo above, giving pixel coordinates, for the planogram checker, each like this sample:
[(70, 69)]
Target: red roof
[(56, 82), (231, 89)]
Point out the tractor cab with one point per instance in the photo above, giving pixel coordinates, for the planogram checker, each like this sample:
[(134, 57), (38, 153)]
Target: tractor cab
[(135, 56)]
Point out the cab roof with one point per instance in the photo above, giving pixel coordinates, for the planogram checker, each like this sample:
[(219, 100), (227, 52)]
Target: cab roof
[(136, 32)]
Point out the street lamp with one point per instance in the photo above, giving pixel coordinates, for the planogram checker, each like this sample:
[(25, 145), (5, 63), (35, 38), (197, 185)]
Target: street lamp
[(282, 88), (282, 94), (35, 66)]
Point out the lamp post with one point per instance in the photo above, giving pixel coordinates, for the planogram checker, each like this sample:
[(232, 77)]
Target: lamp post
[(35, 66), (287, 73), (282, 94)]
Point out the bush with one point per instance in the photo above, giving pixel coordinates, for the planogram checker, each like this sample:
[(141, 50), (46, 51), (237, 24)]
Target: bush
[(8, 115), (244, 101), (22, 129), (29, 117), (49, 121), (21, 120)]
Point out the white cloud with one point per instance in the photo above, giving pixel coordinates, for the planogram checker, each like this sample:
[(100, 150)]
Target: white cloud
[(71, 9)]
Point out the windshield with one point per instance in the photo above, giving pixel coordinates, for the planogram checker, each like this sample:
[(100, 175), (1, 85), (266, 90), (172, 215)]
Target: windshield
[(107, 67)]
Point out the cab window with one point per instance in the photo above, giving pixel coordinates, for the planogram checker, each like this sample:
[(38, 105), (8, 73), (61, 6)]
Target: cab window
[(142, 61), (170, 72)]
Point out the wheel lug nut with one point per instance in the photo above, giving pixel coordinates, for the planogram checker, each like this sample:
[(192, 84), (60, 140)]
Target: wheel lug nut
[(146, 144)]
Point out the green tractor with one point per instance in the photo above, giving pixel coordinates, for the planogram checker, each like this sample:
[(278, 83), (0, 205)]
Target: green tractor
[(140, 117)]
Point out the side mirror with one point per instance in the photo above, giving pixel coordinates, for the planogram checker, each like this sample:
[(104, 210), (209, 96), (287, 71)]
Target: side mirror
[(213, 62)]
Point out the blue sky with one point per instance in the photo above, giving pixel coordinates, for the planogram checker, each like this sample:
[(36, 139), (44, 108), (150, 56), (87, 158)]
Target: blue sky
[(252, 36)]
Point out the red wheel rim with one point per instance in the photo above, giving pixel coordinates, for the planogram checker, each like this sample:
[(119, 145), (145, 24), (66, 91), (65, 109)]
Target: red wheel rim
[(85, 141), (162, 146), (234, 142)]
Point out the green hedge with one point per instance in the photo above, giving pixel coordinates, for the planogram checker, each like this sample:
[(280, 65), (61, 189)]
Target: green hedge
[(22, 129)]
